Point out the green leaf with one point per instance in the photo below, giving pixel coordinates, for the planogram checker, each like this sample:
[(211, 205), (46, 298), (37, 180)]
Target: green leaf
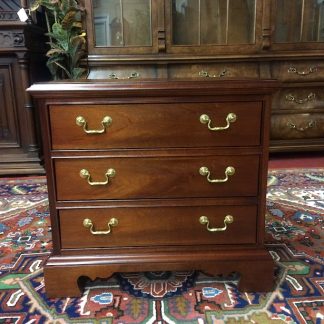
[(58, 31), (53, 51), (78, 72), (69, 18), (35, 5), (55, 58)]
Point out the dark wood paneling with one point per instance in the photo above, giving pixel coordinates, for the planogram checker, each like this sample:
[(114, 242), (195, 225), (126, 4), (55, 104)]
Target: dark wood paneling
[(19, 145), (9, 134)]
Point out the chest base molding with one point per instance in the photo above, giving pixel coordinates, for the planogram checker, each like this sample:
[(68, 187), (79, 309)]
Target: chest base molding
[(66, 276)]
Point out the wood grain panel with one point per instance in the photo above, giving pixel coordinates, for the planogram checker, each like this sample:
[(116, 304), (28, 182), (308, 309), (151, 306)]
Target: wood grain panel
[(297, 126), (156, 125), (156, 177), (298, 99), (300, 71), (214, 70), (158, 226)]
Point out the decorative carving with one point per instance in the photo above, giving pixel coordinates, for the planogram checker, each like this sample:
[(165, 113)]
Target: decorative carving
[(11, 39), (8, 15), (161, 40)]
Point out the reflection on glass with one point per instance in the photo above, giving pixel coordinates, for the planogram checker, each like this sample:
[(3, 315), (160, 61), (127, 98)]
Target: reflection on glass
[(299, 21), (196, 22), (122, 22)]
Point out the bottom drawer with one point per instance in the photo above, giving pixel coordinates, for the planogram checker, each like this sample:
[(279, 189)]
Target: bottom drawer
[(297, 126), (148, 226)]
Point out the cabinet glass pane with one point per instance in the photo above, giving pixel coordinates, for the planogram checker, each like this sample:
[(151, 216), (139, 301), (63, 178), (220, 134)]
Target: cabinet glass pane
[(197, 22), (122, 23), (299, 21)]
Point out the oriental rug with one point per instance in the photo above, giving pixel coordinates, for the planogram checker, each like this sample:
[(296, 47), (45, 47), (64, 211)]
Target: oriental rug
[(294, 227)]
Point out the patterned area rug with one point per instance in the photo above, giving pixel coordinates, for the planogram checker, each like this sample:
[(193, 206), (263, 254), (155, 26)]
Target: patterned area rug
[(294, 223)]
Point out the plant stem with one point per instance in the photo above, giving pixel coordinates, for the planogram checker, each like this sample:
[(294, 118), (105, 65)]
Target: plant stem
[(64, 69), (48, 25)]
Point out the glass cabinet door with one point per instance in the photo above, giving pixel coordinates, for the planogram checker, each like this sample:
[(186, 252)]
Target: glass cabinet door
[(207, 23), (298, 22), (119, 26)]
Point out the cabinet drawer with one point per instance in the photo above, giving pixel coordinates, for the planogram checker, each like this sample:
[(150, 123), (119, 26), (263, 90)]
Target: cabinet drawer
[(297, 126), (155, 125), (298, 70), (149, 226), (152, 177), (215, 71), (299, 98), (123, 72)]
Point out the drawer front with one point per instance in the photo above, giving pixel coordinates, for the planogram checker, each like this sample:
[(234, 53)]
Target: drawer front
[(214, 71), (123, 72), (297, 126), (155, 125), (148, 226), (298, 70), (299, 98), (167, 177)]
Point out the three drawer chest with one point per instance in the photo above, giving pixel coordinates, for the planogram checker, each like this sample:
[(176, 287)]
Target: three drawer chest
[(155, 176)]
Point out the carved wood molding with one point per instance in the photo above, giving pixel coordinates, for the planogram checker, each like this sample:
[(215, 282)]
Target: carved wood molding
[(8, 15), (11, 39)]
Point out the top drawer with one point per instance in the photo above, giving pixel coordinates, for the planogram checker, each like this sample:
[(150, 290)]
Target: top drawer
[(298, 71), (155, 125)]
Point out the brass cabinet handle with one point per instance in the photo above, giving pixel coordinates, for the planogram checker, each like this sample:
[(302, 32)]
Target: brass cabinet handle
[(230, 118), (310, 124), (310, 97), (81, 121), (203, 220), (204, 171), (85, 174), (133, 75), (87, 223), (206, 74), (302, 73)]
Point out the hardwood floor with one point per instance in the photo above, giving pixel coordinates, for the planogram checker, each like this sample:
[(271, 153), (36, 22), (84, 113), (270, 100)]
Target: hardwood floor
[(296, 160)]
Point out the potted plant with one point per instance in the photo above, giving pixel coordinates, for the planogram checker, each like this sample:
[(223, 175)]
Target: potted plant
[(67, 40)]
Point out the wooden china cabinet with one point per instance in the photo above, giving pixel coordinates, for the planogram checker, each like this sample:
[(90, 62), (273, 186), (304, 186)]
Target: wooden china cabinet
[(220, 39)]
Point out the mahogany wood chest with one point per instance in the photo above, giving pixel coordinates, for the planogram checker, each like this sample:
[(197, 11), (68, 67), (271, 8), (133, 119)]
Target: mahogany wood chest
[(156, 175)]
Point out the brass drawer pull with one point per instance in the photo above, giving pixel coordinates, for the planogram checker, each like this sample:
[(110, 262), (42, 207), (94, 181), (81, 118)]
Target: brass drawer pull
[(310, 124), (230, 118), (133, 75), (85, 174), (203, 220), (87, 223), (205, 74), (204, 171), (310, 97), (81, 121), (302, 73)]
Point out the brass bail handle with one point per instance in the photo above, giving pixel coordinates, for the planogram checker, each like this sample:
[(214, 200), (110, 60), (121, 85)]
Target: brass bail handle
[(105, 123), (85, 174), (87, 223), (230, 118), (206, 74), (203, 220), (229, 171), (133, 75)]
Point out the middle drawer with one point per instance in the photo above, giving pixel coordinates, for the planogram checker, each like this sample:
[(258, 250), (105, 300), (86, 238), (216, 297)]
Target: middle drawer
[(156, 177)]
